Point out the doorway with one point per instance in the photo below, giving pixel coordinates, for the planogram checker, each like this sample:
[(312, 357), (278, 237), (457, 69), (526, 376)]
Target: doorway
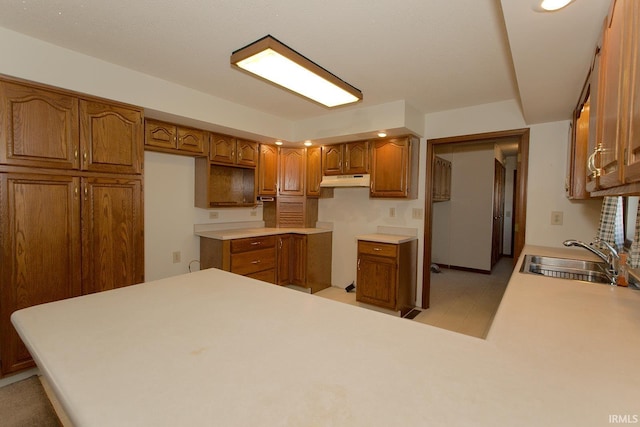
[(521, 136)]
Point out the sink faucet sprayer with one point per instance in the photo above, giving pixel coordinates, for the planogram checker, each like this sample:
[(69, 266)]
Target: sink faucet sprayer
[(611, 257)]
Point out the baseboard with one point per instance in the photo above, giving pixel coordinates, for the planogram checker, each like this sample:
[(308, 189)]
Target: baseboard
[(467, 269)]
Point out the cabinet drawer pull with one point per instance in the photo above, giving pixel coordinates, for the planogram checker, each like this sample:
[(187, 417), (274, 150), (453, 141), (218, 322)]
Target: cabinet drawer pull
[(256, 261), (377, 249), (256, 243)]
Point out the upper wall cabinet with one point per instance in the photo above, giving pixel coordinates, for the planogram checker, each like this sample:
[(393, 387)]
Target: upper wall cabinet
[(314, 171), (346, 159), (51, 129), (173, 139), (394, 167), (268, 170), (613, 163), (227, 150)]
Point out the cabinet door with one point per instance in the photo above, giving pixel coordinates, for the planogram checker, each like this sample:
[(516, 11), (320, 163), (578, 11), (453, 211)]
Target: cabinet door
[(299, 260), (159, 134), (314, 171), (111, 138), (222, 149), (632, 168), (246, 153), (356, 158), (268, 170), (112, 234), (610, 159), (284, 257), (332, 159), (292, 171), (40, 257), (190, 140), (38, 128), (390, 168), (376, 281)]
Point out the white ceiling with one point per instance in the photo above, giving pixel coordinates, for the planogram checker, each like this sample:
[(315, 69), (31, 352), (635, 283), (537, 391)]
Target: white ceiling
[(436, 55)]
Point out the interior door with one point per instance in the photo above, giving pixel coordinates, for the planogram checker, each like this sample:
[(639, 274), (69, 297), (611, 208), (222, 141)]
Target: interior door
[(498, 212)]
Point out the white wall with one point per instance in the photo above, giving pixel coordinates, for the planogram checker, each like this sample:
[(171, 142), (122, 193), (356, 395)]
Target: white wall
[(462, 226), (547, 169)]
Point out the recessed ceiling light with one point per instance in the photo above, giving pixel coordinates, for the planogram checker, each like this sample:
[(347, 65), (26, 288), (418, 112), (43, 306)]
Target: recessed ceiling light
[(277, 63), (278, 142), (382, 134), (308, 143), (552, 5)]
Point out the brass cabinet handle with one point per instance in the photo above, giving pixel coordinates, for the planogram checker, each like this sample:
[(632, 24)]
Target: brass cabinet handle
[(256, 261), (358, 263), (256, 243), (377, 249)]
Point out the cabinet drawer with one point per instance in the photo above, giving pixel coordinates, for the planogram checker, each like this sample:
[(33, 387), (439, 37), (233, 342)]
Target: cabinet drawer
[(375, 248), (252, 243), (245, 263), (266, 276)]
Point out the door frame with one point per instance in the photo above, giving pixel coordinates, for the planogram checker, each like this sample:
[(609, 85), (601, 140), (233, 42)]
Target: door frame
[(520, 215)]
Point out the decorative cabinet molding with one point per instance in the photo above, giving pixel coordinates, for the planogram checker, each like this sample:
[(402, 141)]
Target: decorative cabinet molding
[(71, 199), (346, 159), (228, 150), (394, 168), (174, 139)]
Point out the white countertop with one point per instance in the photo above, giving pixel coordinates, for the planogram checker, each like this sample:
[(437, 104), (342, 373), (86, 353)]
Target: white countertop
[(241, 233), (386, 238), (213, 348)]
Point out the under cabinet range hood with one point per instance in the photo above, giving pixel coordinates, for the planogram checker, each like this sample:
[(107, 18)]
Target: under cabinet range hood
[(346, 181)]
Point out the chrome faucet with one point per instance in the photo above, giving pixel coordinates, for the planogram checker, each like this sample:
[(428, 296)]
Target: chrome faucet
[(612, 258)]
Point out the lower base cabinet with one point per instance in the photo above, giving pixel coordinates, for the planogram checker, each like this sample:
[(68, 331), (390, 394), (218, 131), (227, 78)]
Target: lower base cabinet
[(386, 275), (285, 259)]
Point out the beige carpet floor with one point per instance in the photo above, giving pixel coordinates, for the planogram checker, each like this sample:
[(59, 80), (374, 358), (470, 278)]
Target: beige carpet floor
[(25, 404), (461, 301)]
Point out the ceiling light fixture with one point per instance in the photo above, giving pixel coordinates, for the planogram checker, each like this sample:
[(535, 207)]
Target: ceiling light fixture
[(382, 134), (308, 143), (552, 5), (277, 63)]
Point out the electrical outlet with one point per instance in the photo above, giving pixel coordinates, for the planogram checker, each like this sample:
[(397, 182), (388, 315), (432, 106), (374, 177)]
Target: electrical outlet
[(556, 218), (176, 257), (392, 212), (416, 213), (213, 215)]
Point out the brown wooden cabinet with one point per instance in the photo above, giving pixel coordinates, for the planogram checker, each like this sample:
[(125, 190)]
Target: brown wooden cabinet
[(394, 167), (39, 127), (346, 159), (228, 150), (268, 170), (41, 259), (223, 186), (284, 255), (286, 259), (314, 171), (71, 200), (254, 257), (441, 180), (173, 139), (614, 158), (292, 172), (112, 233), (47, 128), (386, 275)]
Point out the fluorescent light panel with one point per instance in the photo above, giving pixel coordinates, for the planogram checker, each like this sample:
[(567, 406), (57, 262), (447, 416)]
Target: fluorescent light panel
[(552, 5), (275, 62)]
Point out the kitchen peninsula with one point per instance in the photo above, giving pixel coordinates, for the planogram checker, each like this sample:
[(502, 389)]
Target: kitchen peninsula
[(215, 348)]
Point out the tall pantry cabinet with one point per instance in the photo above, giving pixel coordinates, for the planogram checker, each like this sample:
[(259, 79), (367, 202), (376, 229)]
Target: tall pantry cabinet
[(71, 201)]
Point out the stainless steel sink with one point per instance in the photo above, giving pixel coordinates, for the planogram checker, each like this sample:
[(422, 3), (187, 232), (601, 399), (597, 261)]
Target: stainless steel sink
[(566, 268)]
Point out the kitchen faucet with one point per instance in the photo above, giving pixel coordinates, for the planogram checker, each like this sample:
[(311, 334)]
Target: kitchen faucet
[(611, 258)]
